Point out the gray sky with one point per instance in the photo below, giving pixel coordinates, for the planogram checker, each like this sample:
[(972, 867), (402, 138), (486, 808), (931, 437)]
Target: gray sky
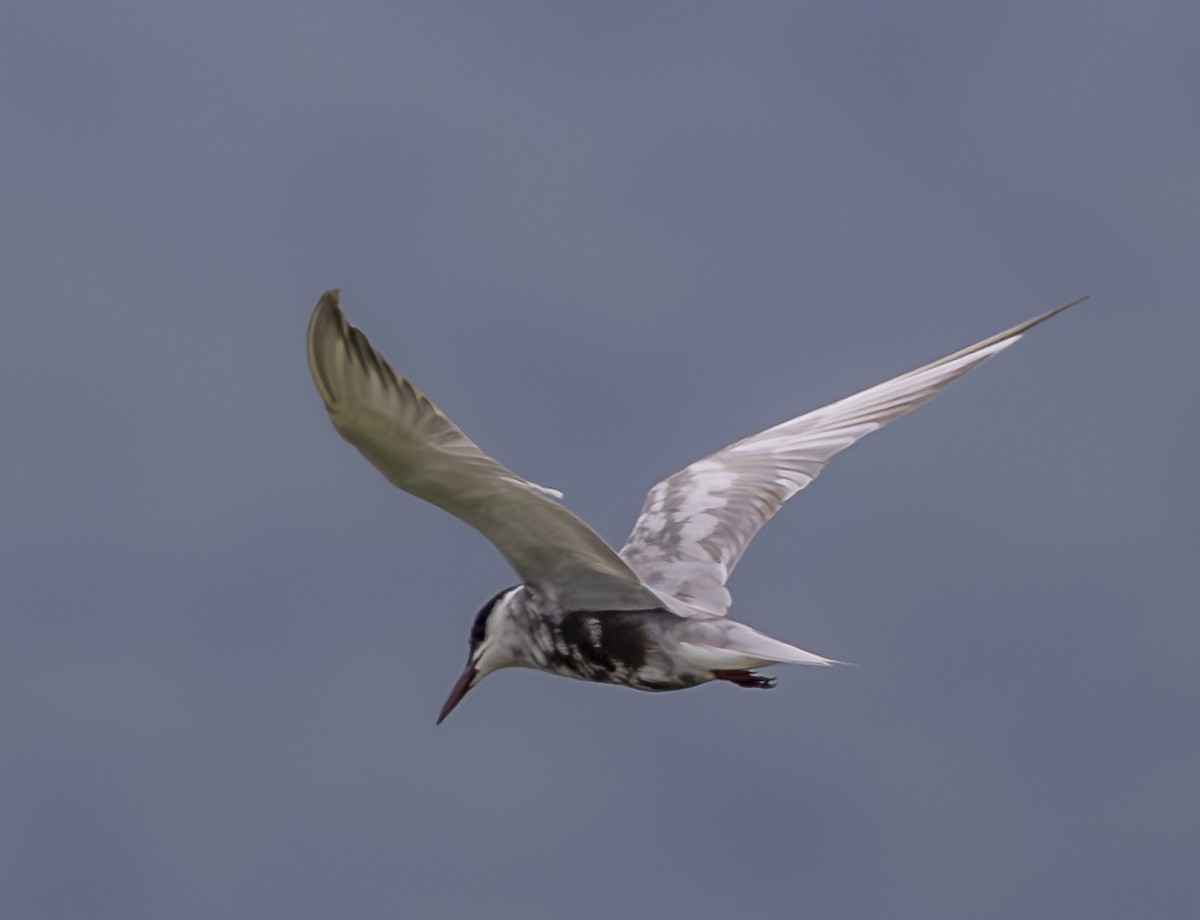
[(607, 239)]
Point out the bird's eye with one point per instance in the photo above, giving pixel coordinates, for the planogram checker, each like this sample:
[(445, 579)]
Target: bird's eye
[(479, 630), (479, 627)]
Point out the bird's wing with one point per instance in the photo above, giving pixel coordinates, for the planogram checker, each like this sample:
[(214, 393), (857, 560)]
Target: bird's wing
[(695, 524), (419, 449)]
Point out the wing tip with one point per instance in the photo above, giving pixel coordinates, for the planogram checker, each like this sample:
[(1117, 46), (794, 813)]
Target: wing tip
[(1000, 340), (327, 310), (1049, 314), (324, 325)]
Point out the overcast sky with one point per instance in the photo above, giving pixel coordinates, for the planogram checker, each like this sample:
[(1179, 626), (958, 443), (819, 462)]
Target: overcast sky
[(607, 239)]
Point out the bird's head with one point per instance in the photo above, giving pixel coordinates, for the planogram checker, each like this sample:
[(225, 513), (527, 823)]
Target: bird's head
[(489, 648)]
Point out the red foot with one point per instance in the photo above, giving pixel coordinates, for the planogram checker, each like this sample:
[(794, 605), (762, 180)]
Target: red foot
[(746, 679)]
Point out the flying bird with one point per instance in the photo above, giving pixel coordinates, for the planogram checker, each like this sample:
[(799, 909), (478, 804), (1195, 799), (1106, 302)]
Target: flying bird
[(650, 616)]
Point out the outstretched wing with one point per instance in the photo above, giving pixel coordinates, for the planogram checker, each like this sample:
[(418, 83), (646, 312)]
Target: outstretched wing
[(695, 525), (420, 450)]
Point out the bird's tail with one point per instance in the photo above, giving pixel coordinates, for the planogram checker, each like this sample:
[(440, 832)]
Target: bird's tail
[(752, 642), (719, 643)]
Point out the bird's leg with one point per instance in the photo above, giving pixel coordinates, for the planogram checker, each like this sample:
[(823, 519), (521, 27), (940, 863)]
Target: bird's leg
[(746, 679)]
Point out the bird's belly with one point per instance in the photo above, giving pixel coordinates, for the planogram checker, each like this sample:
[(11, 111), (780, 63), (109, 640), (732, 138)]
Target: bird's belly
[(622, 647), (650, 676), (652, 680)]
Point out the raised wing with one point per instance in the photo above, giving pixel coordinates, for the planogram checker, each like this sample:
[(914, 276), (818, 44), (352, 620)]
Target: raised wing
[(695, 525), (420, 450)]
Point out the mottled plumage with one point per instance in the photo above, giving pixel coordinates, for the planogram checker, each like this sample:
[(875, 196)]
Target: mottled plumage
[(653, 616)]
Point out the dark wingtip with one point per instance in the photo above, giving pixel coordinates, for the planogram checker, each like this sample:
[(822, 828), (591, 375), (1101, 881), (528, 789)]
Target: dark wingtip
[(1066, 306), (1038, 320), (326, 313), (327, 309)]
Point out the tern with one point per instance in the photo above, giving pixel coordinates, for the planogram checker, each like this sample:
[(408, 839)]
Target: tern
[(652, 615)]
